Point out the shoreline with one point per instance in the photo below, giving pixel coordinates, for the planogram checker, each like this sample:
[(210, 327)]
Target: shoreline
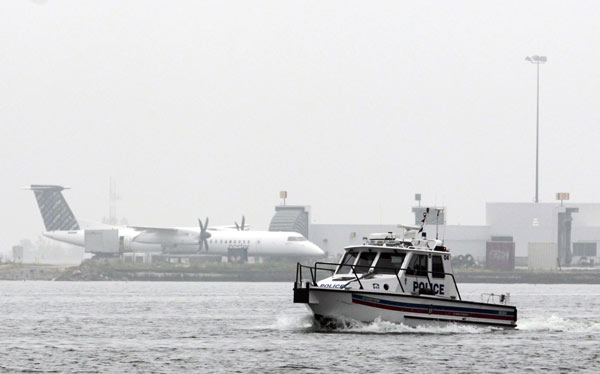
[(264, 272)]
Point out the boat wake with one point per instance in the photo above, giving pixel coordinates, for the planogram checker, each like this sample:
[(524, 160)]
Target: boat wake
[(551, 323), (303, 322), (306, 323), (558, 324)]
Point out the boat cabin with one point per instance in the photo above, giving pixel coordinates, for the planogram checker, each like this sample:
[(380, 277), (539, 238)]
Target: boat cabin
[(387, 263)]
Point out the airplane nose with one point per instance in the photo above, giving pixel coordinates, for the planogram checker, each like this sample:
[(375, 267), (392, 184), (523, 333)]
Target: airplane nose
[(314, 250)]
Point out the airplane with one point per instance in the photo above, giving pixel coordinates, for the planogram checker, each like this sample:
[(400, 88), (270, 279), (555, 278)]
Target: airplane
[(61, 225)]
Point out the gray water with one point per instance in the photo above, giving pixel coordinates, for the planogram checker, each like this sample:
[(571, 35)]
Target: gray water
[(254, 327)]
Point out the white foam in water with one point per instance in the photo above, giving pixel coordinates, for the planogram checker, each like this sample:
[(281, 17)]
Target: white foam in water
[(293, 322), (384, 327), (306, 322), (541, 323), (557, 323)]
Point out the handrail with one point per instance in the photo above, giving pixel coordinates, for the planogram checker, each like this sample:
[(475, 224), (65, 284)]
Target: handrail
[(356, 275), (357, 278), (313, 273)]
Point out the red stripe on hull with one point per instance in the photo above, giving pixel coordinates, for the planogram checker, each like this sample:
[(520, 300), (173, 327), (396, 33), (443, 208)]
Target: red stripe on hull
[(437, 312)]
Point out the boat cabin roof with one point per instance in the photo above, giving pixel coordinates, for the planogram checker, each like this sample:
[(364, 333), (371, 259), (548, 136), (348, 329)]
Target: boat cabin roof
[(390, 242)]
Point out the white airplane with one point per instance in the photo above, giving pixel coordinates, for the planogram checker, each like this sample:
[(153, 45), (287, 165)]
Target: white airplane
[(61, 225)]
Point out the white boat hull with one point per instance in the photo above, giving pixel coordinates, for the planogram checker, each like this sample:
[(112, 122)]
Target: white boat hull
[(333, 306)]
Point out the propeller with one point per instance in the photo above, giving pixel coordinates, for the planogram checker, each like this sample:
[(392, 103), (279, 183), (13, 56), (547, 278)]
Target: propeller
[(204, 234), (242, 226)]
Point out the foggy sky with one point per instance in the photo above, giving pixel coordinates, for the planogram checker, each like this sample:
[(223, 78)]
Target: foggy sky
[(210, 108)]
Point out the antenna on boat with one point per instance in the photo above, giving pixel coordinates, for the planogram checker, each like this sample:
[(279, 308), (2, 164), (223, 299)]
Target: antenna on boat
[(437, 221), (444, 223), (425, 213)]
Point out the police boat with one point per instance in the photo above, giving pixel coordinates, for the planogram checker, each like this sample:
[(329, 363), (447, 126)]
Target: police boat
[(403, 279)]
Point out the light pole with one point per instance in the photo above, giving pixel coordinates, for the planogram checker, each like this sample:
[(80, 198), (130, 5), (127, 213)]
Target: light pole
[(537, 60)]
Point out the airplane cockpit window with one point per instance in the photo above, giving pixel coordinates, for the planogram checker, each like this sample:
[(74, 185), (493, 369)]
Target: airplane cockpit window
[(389, 263), (348, 260), (364, 262), (296, 239)]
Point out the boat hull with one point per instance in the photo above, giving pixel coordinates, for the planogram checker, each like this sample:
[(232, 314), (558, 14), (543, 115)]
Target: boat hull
[(332, 307)]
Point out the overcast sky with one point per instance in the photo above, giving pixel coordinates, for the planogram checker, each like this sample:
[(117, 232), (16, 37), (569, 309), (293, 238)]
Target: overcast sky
[(211, 108)]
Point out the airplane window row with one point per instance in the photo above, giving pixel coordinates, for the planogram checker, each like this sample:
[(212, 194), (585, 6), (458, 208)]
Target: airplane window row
[(215, 241)]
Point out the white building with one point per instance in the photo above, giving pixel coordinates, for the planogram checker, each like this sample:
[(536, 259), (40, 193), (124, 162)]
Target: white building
[(522, 223)]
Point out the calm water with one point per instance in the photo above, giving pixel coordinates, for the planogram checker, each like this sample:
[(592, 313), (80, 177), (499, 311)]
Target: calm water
[(254, 327)]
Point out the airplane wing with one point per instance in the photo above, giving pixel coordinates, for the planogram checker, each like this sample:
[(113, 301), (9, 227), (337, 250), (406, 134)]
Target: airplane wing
[(221, 228), (227, 228), (156, 230), (163, 235)]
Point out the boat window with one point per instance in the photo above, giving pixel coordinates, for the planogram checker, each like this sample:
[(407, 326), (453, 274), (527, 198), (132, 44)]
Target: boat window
[(364, 262), (437, 267), (296, 239), (417, 265), (389, 263), (348, 259)]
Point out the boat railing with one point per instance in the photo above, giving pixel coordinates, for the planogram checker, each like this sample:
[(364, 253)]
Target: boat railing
[(492, 298), (331, 267)]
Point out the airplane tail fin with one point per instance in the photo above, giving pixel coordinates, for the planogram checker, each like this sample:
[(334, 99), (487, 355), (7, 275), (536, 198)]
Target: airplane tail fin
[(54, 208)]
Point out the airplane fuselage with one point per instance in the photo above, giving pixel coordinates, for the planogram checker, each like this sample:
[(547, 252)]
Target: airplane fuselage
[(257, 243)]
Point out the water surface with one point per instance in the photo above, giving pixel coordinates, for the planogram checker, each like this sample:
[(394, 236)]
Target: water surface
[(254, 327)]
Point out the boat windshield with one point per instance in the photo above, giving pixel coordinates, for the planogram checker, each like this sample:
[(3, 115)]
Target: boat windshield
[(364, 262), (389, 263), (347, 261)]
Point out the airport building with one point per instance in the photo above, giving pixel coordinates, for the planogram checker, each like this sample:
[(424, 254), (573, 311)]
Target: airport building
[(537, 235)]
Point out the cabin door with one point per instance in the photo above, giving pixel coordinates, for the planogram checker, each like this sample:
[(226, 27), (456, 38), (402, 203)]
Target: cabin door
[(425, 275), (417, 273)]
